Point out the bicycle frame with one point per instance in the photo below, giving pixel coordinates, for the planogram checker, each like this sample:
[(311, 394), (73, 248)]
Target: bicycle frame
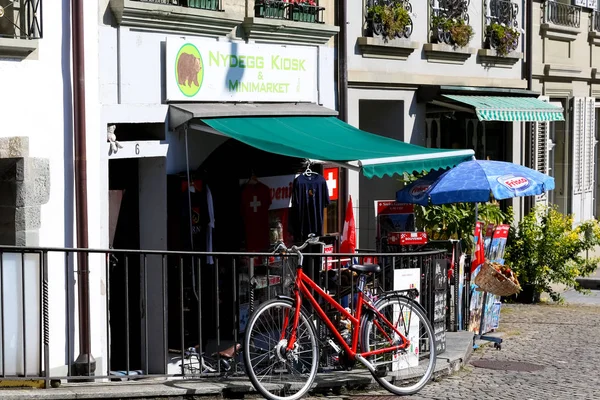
[(302, 289)]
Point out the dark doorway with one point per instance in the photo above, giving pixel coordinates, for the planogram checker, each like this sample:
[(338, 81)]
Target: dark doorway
[(124, 278)]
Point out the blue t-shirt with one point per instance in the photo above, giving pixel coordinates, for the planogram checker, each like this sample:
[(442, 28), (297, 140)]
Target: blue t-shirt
[(310, 196)]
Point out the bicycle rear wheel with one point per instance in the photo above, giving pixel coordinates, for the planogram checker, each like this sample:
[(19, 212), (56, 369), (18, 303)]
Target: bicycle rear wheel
[(407, 371), (273, 370)]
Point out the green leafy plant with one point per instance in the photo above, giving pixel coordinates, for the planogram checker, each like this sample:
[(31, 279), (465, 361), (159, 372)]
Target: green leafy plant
[(460, 32), (546, 248), (394, 19), (456, 221), (504, 39)]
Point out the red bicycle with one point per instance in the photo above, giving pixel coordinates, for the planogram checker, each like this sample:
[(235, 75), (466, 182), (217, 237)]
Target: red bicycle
[(281, 349)]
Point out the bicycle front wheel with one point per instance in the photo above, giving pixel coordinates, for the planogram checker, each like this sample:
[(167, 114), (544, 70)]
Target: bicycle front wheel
[(276, 372), (406, 371)]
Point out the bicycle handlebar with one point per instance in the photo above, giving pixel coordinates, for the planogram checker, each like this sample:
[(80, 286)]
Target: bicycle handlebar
[(312, 239)]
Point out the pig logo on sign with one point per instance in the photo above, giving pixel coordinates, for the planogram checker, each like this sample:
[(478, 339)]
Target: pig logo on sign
[(189, 70)]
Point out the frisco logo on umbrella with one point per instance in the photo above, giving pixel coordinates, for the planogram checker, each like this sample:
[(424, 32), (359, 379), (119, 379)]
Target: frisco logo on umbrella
[(418, 191), (514, 182)]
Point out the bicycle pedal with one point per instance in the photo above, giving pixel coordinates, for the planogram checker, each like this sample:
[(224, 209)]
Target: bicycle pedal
[(381, 371)]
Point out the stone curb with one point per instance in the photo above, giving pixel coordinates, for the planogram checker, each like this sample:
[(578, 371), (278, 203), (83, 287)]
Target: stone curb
[(459, 347)]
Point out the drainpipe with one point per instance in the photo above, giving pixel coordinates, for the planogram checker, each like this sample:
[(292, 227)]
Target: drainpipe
[(529, 43), (527, 203), (85, 365), (342, 85)]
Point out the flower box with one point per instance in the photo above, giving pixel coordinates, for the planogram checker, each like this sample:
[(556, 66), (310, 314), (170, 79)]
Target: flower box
[(204, 4), (270, 9), (304, 13)]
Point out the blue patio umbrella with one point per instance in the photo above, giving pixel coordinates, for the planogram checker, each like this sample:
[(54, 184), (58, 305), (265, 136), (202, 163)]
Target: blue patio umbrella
[(476, 181)]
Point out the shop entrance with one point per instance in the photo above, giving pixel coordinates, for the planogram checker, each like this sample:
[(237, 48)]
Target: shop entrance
[(137, 220)]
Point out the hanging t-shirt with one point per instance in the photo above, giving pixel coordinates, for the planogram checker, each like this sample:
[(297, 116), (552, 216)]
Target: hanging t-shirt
[(256, 200), (310, 196)]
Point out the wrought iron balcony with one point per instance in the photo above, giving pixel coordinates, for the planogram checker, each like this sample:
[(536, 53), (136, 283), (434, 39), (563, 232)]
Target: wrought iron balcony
[(21, 19), (307, 11), (202, 4), (444, 11), (562, 14), (502, 12), (502, 25), (380, 24)]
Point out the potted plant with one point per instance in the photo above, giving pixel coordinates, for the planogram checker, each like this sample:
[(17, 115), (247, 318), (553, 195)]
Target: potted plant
[(304, 10), (545, 248), (388, 20), (504, 39), (454, 31), (270, 9), (204, 4)]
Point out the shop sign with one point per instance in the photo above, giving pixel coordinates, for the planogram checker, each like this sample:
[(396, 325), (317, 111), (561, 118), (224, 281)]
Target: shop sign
[(205, 70), (281, 190), (392, 207), (331, 176)]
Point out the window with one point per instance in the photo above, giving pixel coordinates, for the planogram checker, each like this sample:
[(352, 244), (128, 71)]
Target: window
[(20, 19)]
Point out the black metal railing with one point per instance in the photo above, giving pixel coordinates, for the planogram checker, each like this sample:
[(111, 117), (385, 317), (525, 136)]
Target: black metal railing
[(502, 25), (442, 11), (153, 306), (562, 14), (503, 12), (21, 19), (596, 21), (286, 10), (202, 4), (375, 25)]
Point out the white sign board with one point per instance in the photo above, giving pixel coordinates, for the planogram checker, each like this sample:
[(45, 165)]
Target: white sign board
[(205, 70), (404, 279)]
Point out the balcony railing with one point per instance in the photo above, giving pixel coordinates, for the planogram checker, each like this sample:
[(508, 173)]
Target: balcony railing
[(596, 21), (378, 25), (307, 11), (562, 14), (21, 19), (443, 11), (202, 4), (502, 26)]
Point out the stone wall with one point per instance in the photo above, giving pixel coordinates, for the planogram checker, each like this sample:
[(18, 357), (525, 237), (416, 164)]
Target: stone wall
[(24, 187)]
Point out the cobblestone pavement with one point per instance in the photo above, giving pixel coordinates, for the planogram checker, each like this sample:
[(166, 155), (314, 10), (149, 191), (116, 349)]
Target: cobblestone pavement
[(565, 340)]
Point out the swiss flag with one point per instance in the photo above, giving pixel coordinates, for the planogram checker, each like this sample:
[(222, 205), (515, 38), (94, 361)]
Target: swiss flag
[(479, 249), (349, 232)]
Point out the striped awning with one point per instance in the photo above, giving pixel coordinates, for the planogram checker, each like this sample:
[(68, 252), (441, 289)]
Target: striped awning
[(499, 108)]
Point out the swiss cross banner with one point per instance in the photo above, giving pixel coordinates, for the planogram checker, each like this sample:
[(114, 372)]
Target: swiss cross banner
[(331, 176), (479, 257)]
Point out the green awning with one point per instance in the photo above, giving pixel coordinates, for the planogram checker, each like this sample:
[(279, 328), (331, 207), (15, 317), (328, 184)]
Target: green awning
[(499, 108), (329, 139)]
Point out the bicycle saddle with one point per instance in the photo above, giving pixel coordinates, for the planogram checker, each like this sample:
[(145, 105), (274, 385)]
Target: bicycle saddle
[(365, 268), (230, 352)]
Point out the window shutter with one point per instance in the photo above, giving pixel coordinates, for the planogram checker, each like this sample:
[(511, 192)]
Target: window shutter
[(540, 153), (589, 164), (577, 155)]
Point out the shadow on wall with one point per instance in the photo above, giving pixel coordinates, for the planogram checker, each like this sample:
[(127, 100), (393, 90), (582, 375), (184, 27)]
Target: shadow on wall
[(234, 73), (68, 173)]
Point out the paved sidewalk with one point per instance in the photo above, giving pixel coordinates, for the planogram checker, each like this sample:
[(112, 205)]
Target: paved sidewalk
[(549, 352), (459, 347)]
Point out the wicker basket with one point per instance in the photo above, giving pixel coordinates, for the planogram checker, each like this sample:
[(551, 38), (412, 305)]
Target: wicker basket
[(492, 281)]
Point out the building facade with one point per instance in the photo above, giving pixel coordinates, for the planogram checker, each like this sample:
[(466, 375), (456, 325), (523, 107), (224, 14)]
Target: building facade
[(37, 185), (418, 82), (566, 55)]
